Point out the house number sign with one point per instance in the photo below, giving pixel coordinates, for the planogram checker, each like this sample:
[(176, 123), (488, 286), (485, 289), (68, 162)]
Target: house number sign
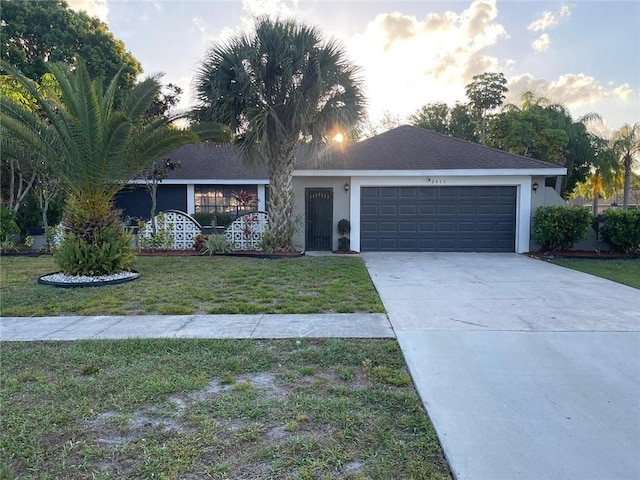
[(436, 181)]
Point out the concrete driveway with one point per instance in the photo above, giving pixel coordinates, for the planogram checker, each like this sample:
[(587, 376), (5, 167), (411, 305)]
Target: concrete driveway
[(527, 370)]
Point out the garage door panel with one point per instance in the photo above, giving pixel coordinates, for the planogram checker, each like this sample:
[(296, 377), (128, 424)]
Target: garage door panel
[(504, 210), (426, 209), (466, 209), (408, 192), (466, 227), (446, 209), (388, 209), (369, 210), (410, 210), (388, 244), (505, 227), (438, 219), (389, 192), (426, 227), (368, 227), (485, 210), (407, 227), (427, 192)]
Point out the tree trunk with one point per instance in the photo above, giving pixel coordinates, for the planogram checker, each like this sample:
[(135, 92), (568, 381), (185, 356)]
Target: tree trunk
[(595, 204), (153, 189), (627, 181), (281, 223), (15, 198)]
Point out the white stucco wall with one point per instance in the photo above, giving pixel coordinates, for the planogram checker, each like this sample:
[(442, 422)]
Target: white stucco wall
[(340, 203)]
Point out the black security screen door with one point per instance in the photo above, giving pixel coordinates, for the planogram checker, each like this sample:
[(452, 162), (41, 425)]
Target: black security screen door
[(319, 218)]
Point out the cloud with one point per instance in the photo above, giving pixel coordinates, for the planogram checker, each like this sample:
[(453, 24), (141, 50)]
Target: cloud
[(571, 90), (400, 54), (94, 8), (549, 19), (272, 8), (541, 43)]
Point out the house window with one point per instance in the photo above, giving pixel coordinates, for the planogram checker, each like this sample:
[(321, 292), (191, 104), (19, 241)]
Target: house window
[(223, 199)]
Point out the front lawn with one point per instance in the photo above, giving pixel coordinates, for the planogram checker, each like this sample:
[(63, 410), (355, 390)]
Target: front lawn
[(621, 271), (197, 285), (221, 409)]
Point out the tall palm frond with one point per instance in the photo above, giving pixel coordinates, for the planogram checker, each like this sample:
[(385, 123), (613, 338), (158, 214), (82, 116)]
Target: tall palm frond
[(273, 89), (626, 142), (93, 146)]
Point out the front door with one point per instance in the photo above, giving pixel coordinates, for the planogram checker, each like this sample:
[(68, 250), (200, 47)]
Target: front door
[(319, 218)]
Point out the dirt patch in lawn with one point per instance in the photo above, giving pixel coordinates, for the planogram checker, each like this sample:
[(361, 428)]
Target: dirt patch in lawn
[(168, 408)]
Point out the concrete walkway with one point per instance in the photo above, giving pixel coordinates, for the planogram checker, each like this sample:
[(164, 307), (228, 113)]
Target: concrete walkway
[(366, 325), (529, 371)]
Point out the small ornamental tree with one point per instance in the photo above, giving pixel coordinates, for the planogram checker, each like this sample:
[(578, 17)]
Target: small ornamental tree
[(344, 229), (245, 201), (154, 175)]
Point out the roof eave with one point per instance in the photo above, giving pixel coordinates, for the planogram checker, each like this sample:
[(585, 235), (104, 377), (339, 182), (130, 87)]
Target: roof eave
[(478, 172)]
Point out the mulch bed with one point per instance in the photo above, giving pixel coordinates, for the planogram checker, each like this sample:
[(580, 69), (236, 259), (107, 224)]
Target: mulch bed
[(237, 253), (169, 253)]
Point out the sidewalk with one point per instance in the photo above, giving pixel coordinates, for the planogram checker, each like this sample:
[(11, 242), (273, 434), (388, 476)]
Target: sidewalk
[(339, 325)]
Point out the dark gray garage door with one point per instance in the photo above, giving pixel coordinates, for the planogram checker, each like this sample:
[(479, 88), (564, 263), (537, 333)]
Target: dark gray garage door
[(438, 219)]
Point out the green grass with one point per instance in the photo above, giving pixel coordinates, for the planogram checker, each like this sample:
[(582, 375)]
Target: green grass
[(202, 285), (626, 272), (222, 409)]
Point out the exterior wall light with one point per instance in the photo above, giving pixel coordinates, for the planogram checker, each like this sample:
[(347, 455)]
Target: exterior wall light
[(346, 187), (534, 187)]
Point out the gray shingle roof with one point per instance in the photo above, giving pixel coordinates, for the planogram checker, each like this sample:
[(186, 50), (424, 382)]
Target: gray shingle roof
[(403, 148), (222, 162), (413, 148)]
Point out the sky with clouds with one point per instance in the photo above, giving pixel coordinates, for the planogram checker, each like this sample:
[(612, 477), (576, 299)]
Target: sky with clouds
[(583, 54)]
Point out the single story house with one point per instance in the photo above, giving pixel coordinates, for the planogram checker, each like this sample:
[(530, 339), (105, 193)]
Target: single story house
[(407, 189)]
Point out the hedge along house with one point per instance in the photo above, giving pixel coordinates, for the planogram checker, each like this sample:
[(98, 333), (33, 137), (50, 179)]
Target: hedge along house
[(408, 189)]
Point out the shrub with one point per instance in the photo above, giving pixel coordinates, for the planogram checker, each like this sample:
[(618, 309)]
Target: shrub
[(344, 244), (8, 225), (94, 241), (111, 252), (53, 237), (559, 227), (344, 227), (223, 219), (621, 229), (218, 244), (200, 242), (204, 218), (161, 239)]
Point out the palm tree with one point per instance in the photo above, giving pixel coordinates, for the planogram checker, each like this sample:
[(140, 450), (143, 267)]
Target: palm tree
[(276, 88), (94, 148), (626, 141)]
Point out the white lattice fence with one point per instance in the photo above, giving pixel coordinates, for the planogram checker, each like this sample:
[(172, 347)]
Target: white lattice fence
[(183, 227), (245, 232)]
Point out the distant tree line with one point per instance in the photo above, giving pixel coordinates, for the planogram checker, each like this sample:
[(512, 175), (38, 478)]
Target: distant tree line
[(541, 129)]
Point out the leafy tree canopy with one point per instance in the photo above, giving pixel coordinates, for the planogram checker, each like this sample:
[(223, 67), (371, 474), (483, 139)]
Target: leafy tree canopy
[(36, 32), (486, 92), (457, 121), (546, 131)]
